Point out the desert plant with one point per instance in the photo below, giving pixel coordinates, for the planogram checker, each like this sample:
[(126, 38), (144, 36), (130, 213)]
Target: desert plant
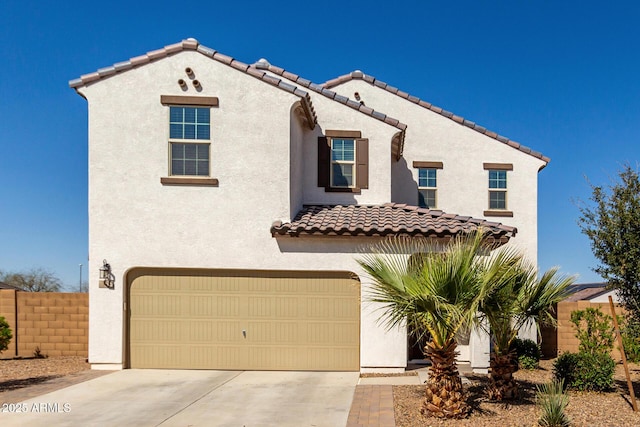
[(564, 367), (594, 329), (519, 297), (585, 371), (528, 353), (552, 401), (5, 334), (630, 331), (37, 353), (436, 292)]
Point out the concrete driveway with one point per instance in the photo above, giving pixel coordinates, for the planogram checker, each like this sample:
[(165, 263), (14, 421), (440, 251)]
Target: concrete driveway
[(150, 397)]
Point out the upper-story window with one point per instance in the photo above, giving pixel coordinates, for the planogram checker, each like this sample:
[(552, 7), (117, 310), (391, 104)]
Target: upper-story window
[(497, 189), (343, 161), (428, 183), (498, 200), (189, 139), (427, 188)]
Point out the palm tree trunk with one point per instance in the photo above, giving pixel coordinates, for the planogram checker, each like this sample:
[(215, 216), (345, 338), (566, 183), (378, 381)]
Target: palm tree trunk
[(444, 396), (502, 386)]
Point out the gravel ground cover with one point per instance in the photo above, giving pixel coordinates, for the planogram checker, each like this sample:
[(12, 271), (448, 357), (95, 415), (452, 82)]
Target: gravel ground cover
[(20, 373), (585, 408)]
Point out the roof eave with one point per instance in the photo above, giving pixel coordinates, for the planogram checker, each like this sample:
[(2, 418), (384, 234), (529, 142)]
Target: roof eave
[(359, 75)]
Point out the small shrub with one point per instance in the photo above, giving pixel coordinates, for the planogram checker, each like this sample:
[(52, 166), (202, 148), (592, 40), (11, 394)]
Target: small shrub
[(594, 329), (528, 352), (37, 353), (552, 402), (585, 371), (5, 335), (630, 331), (565, 367)]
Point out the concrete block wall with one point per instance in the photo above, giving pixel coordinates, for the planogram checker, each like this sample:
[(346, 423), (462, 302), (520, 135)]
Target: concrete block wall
[(8, 311), (566, 334), (57, 323)]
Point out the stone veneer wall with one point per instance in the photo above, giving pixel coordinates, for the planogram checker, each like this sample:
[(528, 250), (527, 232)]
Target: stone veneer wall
[(57, 323)]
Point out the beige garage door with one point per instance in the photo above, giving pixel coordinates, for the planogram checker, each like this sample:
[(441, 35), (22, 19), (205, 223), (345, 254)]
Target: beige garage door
[(204, 319)]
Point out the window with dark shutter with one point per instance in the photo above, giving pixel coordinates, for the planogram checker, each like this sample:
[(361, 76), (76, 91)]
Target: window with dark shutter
[(362, 162), (343, 161), (324, 152)]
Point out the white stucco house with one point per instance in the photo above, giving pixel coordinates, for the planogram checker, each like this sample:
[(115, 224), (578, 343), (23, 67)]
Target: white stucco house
[(231, 201)]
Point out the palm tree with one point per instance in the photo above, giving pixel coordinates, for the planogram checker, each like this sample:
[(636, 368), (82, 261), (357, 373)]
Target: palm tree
[(508, 306), (439, 292)]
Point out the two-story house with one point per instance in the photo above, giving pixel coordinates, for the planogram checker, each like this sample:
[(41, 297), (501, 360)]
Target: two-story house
[(228, 204)]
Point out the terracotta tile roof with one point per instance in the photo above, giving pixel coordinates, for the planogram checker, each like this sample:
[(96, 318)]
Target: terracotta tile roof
[(398, 143), (385, 220), (192, 44), (359, 75)]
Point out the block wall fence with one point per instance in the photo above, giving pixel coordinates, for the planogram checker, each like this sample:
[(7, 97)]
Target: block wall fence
[(562, 339), (56, 322)]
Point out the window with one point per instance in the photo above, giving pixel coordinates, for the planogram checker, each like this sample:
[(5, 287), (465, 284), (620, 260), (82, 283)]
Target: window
[(189, 132), (498, 189), (427, 183), (343, 158)]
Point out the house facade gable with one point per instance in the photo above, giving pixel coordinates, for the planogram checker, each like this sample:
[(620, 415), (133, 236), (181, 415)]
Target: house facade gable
[(264, 127)]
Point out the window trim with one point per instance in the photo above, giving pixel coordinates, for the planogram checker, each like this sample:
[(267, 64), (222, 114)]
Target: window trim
[(498, 167), (354, 172), (428, 165), (434, 189), (194, 102), (189, 101), (360, 165), (422, 164)]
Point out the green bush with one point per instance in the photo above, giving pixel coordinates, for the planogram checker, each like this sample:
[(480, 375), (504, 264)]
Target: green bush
[(630, 331), (5, 335), (528, 352), (594, 329), (565, 367), (585, 371), (552, 402)]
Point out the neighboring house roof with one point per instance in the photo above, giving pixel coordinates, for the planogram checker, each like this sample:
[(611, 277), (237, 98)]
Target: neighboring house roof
[(385, 220), (398, 144), (586, 291), (192, 44), (8, 286), (359, 75)]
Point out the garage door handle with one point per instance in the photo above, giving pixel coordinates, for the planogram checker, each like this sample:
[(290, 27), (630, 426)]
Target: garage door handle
[(244, 333)]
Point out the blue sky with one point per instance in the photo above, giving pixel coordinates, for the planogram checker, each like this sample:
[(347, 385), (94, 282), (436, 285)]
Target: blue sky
[(559, 77)]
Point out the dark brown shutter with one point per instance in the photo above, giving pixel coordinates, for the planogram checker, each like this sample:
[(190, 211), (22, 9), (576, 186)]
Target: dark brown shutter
[(324, 152), (362, 162)]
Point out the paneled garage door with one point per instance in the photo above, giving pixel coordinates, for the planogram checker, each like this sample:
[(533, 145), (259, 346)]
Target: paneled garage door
[(256, 320)]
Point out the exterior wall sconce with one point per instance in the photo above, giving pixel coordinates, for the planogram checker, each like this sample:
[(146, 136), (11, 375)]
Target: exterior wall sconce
[(107, 279)]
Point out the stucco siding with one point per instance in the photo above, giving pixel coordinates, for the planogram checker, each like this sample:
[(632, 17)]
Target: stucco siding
[(335, 116), (135, 221), (462, 183)]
